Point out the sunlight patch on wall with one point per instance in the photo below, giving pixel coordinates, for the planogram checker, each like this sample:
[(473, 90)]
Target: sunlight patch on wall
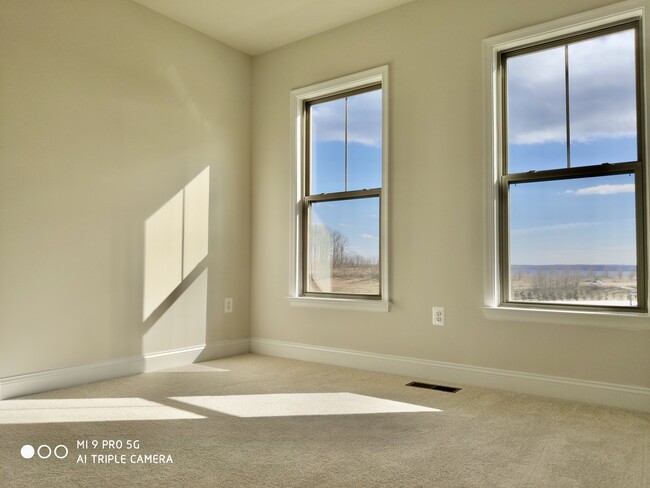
[(87, 410), (196, 221), (183, 323), (163, 248), (176, 241), (300, 404)]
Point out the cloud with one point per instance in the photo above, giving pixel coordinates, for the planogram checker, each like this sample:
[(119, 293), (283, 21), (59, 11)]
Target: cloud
[(552, 228), (364, 119), (368, 237), (601, 87), (604, 190)]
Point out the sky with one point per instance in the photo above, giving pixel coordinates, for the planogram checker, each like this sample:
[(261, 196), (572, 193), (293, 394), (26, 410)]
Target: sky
[(579, 221), (586, 221), (357, 219), (573, 221)]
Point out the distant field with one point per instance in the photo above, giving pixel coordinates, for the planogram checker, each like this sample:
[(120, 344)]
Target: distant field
[(589, 284), (356, 280)]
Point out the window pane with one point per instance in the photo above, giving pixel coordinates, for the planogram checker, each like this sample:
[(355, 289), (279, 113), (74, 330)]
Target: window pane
[(364, 141), (536, 111), (602, 94), (343, 241), (574, 241), (328, 147)]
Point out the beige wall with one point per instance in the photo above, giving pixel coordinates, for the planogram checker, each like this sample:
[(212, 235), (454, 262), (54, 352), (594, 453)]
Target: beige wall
[(107, 110), (436, 208)]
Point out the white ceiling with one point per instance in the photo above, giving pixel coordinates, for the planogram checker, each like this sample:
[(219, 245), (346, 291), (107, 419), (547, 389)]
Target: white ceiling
[(257, 26)]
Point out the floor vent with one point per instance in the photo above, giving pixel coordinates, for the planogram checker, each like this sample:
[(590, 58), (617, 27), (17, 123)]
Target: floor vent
[(448, 389)]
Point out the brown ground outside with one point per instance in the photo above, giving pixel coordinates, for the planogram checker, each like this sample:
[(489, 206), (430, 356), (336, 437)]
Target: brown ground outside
[(362, 280)]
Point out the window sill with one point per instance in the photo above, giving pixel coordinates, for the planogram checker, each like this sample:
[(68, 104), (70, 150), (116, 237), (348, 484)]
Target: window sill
[(340, 304), (610, 320)]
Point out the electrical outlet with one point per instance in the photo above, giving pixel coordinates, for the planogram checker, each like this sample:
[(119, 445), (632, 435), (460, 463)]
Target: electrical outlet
[(438, 316), (227, 305)]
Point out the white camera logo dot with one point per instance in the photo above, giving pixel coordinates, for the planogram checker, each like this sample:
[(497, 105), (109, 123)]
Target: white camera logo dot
[(27, 451)]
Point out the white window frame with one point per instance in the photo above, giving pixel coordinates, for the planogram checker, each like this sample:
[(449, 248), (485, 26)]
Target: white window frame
[(298, 98), (492, 47)]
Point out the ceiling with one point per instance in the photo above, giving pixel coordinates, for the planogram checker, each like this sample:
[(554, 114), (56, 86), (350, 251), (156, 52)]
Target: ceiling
[(257, 26)]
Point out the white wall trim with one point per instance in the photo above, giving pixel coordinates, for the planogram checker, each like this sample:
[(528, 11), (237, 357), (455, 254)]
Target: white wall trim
[(188, 355), (225, 348), (589, 19), (608, 320), (171, 359), (27, 384), (297, 99), (340, 303), (613, 395)]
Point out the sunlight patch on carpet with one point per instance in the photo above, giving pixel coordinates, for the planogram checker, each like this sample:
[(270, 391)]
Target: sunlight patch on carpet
[(299, 404), (87, 410)]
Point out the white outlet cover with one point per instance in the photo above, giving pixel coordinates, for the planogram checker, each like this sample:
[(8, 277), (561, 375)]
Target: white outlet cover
[(438, 316)]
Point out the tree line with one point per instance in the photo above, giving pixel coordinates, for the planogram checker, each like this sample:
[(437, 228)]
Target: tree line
[(331, 245)]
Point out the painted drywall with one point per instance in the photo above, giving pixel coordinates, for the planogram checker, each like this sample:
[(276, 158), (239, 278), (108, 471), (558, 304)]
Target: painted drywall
[(436, 207), (108, 110)]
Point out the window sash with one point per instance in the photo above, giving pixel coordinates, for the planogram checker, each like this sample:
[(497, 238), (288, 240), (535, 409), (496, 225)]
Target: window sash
[(640, 230), (333, 197), (307, 165), (566, 41)]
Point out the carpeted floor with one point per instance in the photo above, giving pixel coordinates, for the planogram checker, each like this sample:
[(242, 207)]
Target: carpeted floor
[(273, 437)]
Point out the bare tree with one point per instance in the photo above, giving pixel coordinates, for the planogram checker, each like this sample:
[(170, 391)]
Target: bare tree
[(339, 246), (328, 245)]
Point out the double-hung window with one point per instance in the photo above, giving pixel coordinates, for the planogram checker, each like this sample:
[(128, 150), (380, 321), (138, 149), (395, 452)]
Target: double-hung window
[(569, 171), (339, 198)]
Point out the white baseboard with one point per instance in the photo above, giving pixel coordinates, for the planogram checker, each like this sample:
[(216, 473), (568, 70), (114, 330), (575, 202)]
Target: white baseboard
[(55, 379), (613, 395), (622, 396), (189, 355), (224, 349)]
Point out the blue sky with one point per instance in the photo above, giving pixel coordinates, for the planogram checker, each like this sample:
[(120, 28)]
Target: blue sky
[(587, 221), (357, 219), (579, 221)]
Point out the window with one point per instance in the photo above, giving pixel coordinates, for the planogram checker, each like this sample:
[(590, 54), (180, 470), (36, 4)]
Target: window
[(339, 193), (567, 205)]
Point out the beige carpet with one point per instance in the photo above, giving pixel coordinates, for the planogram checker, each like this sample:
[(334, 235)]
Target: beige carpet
[(255, 421)]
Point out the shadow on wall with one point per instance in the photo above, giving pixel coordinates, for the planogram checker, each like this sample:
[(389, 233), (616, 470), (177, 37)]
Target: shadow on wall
[(175, 274)]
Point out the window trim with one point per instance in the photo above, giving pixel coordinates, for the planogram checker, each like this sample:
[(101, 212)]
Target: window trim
[(298, 99), (624, 12)]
